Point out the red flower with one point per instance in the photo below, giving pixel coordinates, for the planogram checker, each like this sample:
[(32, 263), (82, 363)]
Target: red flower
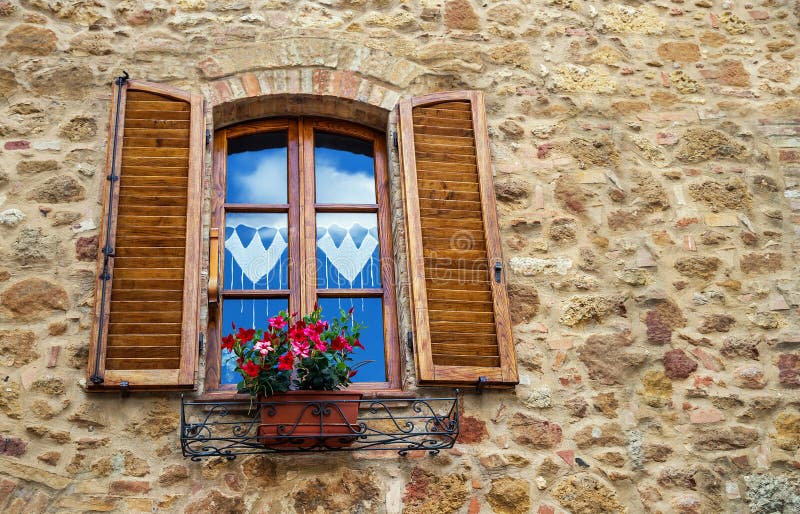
[(285, 361), (353, 373), (251, 368), (350, 312), (228, 342), (297, 331), (358, 344), (245, 335), (340, 343)]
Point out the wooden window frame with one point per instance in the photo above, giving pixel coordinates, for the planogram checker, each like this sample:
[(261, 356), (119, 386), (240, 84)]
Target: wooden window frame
[(301, 210)]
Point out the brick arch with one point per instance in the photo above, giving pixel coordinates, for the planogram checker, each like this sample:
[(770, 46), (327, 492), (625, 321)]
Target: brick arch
[(318, 76), (300, 91)]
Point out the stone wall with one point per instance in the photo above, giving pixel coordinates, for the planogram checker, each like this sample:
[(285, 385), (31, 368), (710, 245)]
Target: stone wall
[(647, 160)]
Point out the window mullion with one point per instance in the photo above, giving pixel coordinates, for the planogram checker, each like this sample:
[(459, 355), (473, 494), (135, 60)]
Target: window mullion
[(295, 217), (308, 279)]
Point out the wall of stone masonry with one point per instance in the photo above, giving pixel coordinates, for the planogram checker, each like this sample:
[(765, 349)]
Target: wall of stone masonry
[(647, 160)]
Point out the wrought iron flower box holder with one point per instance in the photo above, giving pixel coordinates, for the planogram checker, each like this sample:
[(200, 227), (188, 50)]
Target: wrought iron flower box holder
[(231, 428)]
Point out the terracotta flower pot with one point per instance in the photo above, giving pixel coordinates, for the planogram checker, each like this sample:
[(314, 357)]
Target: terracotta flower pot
[(298, 420)]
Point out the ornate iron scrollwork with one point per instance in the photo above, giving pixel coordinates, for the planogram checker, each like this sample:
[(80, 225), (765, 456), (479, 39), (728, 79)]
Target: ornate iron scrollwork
[(228, 429)]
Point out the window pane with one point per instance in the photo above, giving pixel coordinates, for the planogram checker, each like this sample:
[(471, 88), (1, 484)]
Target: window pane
[(344, 168), (256, 251), (369, 312), (257, 168), (246, 313), (348, 251)]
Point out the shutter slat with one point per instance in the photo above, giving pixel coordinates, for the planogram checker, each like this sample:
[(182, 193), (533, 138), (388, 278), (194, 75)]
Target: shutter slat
[(148, 332), (461, 318)]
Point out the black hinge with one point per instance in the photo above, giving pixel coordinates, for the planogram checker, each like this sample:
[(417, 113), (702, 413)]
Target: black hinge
[(395, 140), (201, 343), (208, 137), (482, 383), (125, 388), (410, 340), (498, 271)]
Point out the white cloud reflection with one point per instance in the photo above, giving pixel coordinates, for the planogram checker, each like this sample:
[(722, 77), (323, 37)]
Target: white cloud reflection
[(257, 177)]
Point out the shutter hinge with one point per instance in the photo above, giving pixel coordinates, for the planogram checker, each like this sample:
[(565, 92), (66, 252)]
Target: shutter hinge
[(121, 80), (108, 250), (498, 271), (410, 340), (395, 141), (482, 383), (125, 388), (201, 343), (96, 379), (208, 137)]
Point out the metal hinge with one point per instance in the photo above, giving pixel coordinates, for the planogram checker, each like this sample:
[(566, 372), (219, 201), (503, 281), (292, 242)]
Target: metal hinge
[(395, 140), (125, 388), (201, 343), (482, 381), (498, 271), (208, 137)]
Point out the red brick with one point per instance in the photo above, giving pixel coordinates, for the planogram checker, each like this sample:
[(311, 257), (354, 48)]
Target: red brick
[(52, 359), (6, 488), (567, 456), (126, 487), (251, 85), (789, 155), (320, 82), (546, 509), (474, 506), (223, 91), (758, 15), (17, 145)]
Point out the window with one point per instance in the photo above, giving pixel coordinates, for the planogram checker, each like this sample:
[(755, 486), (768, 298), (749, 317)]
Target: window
[(300, 214), (301, 208)]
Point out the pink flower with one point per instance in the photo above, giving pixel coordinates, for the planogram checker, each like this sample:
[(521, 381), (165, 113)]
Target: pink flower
[(321, 346), (278, 322), (301, 348)]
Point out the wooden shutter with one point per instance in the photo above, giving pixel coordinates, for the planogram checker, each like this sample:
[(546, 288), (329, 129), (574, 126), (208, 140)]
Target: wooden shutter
[(462, 326), (146, 323)]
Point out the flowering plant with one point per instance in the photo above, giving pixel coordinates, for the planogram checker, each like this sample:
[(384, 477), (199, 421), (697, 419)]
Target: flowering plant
[(291, 354)]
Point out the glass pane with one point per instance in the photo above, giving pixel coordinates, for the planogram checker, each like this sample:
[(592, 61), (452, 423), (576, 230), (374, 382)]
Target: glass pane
[(256, 251), (369, 312), (348, 251), (257, 168), (246, 313), (344, 168)]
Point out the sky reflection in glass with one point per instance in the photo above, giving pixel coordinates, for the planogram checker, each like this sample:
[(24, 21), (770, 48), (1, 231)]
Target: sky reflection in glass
[(369, 312), (344, 169), (256, 251), (257, 168), (246, 313), (348, 251)]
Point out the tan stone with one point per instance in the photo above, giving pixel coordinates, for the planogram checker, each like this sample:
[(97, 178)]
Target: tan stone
[(514, 54), (160, 420), (9, 400), (509, 496), (679, 51), (17, 348), (428, 492), (586, 494), (12, 467), (608, 357), (60, 189), (578, 79), (173, 474), (609, 434), (657, 389), (459, 14), (535, 432), (732, 194), (30, 40), (625, 19), (684, 83), (698, 267), (787, 426)]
